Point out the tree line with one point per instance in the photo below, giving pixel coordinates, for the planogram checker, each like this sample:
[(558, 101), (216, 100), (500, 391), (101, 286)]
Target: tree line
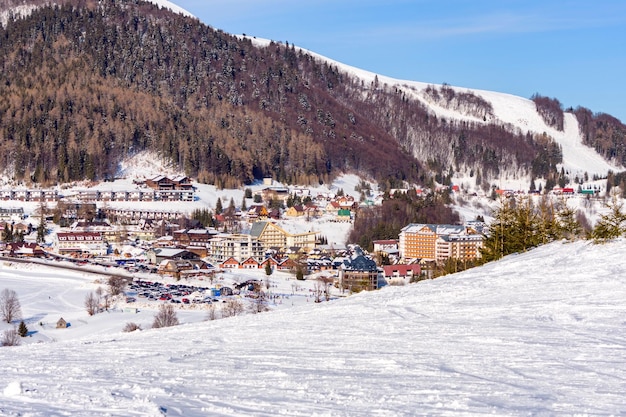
[(89, 84)]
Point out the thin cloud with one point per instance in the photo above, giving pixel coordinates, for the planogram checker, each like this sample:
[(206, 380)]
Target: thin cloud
[(496, 24)]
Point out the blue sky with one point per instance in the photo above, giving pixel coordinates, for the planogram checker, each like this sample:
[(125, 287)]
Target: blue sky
[(572, 50)]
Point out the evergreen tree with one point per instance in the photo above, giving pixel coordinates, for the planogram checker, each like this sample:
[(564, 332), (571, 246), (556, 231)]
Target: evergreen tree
[(22, 330), (611, 225), (247, 193), (218, 206), (299, 274), (7, 234), (567, 223), (19, 237), (244, 206), (268, 269), (42, 231)]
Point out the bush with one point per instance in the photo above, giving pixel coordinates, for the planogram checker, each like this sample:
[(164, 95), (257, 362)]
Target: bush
[(10, 338), (131, 327)]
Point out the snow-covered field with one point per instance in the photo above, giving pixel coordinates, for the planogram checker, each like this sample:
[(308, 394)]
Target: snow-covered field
[(539, 333)]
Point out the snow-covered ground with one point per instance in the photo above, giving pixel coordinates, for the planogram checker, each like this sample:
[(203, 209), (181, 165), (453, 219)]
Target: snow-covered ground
[(538, 333)]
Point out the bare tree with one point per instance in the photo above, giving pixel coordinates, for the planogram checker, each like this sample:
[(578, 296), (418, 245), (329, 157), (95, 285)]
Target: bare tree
[(116, 285), (91, 304), (318, 290), (232, 308), (10, 308), (99, 293), (258, 303), (328, 285), (211, 312), (166, 317), (10, 337)]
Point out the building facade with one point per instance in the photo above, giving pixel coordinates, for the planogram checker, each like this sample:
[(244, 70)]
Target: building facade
[(237, 246), (439, 242)]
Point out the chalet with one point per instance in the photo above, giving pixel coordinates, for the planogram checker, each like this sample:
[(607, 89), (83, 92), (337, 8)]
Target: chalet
[(163, 183), (194, 237), (24, 249), (182, 182), (249, 263), (332, 207), (257, 212), (230, 263), (269, 260), (404, 272), (174, 267), (160, 182), (287, 264), (295, 211)]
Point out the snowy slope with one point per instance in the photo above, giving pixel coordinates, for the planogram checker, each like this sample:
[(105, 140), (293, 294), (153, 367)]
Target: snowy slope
[(164, 4), (508, 109), (540, 333)]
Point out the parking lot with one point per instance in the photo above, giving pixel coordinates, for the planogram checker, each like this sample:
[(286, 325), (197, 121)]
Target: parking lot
[(174, 293)]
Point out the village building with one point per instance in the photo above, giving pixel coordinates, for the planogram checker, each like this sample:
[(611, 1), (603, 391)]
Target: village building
[(439, 242), (157, 255), (10, 213), (81, 243), (386, 247), (175, 268), (236, 246), (271, 235), (194, 237), (401, 272), (22, 250), (358, 273), (257, 212), (137, 216)]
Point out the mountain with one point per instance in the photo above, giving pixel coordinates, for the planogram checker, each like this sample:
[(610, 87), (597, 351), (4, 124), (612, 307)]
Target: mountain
[(89, 84), (539, 333)]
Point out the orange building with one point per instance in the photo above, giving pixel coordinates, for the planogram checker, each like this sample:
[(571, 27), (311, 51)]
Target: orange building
[(439, 242)]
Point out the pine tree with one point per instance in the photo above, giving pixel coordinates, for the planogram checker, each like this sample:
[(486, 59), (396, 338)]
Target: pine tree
[(7, 234), (41, 231), (22, 330), (218, 206), (567, 223), (611, 225)]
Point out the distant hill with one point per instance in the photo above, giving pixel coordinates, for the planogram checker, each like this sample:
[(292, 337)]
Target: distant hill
[(88, 84)]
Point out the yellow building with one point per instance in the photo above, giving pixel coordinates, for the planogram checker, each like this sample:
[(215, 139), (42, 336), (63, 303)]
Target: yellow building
[(273, 236)]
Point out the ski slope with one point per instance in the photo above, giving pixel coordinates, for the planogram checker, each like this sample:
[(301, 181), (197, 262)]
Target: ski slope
[(538, 333)]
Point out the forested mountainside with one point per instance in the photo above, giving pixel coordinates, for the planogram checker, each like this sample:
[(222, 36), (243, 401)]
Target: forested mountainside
[(86, 84)]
